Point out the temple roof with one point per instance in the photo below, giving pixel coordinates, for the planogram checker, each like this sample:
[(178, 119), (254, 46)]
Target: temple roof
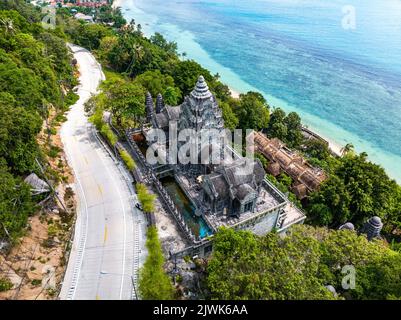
[(201, 90), (243, 191), (236, 180), (166, 115), (219, 184)]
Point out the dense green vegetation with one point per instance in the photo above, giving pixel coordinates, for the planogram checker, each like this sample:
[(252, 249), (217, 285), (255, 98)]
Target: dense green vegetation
[(356, 189), (36, 75), (146, 198), (287, 128), (129, 162), (300, 265), (106, 131), (154, 284)]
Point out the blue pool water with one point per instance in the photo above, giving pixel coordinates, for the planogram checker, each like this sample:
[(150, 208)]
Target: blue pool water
[(197, 224), (345, 83)]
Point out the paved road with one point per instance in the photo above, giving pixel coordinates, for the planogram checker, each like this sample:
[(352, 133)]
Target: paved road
[(109, 238)]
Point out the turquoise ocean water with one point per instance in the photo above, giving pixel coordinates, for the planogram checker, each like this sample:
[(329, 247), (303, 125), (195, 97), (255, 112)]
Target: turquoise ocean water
[(345, 83)]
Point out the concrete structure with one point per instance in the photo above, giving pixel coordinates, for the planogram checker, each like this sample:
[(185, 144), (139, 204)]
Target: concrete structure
[(84, 17), (347, 226)]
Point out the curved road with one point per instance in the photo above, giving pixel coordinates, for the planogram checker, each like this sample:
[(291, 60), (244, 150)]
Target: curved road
[(109, 237)]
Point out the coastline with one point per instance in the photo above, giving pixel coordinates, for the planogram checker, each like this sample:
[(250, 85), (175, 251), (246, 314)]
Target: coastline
[(117, 3), (334, 146), (234, 94)]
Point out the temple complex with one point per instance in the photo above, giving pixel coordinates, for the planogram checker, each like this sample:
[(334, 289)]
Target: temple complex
[(232, 192)]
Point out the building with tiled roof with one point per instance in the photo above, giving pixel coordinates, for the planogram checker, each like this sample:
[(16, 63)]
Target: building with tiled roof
[(306, 178)]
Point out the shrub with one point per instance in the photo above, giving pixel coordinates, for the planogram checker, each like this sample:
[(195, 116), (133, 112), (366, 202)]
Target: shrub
[(154, 283), (52, 131), (52, 231), (108, 134), (97, 118), (51, 292), (145, 198), (5, 284), (71, 99), (129, 162), (36, 282), (54, 151)]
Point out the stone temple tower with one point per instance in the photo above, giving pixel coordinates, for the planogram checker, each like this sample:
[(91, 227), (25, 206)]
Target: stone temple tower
[(373, 227), (200, 109), (149, 107), (200, 112), (159, 103)]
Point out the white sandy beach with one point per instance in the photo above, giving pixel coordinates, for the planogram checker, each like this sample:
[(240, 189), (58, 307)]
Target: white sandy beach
[(234, 93), (117, 3)]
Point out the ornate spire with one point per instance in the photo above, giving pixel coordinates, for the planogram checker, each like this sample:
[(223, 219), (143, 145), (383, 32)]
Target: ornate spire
[(159, 103), (149, 106), (201, 90), (373, 227)]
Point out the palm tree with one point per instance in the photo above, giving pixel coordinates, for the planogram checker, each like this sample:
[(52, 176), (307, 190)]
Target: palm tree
[(8, 25), (137, 55), (349, 147)]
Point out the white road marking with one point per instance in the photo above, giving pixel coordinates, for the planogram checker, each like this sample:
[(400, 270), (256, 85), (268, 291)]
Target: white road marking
[(76, 274)]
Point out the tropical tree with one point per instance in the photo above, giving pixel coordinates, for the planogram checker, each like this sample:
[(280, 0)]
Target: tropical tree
[(252, 111), (8, 25), (294, 130), (230, 118), (160, 41), (187, 72), (245, 266), (349, 147), (16, 204), (172, 96), (301, 265), (137, 54), (356, 190), (156, 82), (125, 99)]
